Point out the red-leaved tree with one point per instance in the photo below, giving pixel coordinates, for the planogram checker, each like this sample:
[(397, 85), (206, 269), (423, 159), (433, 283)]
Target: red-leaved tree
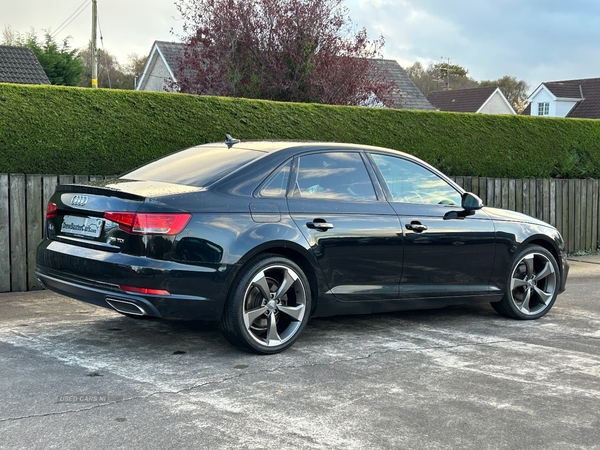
[(286, 50)]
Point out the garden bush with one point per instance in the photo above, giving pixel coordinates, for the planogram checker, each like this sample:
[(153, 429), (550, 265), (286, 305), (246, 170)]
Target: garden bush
[(58, 130)]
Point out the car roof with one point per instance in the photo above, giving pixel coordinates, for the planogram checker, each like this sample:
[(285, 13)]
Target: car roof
[(272, 146)]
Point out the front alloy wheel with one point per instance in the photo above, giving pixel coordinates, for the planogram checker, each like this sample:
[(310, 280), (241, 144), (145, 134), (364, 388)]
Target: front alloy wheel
[(532, 286), (268, 306)]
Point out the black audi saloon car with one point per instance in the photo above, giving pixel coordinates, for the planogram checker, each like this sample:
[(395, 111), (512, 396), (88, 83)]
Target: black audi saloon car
[(260, 236)]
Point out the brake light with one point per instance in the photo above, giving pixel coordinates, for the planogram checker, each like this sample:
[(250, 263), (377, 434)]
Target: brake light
[(160, 223), (51, 211), (125, 220), (150, 223), (142, 290)]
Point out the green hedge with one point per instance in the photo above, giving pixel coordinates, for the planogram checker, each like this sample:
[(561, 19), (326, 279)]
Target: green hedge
[(49, 129)]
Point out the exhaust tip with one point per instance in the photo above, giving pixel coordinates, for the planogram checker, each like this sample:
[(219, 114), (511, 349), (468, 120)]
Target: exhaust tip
[(125, 307)]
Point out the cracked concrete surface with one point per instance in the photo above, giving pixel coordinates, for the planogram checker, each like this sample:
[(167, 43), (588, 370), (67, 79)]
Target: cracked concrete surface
[(448, 378)]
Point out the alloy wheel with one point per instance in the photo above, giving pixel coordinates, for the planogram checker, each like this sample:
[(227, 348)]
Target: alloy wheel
[(274, 305), (533, 284)]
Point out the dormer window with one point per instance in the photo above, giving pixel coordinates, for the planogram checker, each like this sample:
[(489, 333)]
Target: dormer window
[(543, 109)]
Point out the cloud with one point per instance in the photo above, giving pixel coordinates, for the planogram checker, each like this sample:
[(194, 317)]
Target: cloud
[(129, 26), (535, 40)]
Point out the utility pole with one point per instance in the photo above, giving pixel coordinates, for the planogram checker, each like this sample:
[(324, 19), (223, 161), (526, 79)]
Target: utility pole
[(94, 56)]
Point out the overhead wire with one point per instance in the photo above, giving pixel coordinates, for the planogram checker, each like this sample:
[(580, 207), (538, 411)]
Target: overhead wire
[(71, 18), (105, 54), (74, 16)]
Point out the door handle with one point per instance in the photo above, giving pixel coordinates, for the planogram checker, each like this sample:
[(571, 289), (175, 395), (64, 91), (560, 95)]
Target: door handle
[(415, 226), (319, 225)]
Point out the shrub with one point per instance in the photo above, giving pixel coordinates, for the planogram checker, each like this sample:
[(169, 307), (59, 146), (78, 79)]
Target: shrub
[(50, 129)]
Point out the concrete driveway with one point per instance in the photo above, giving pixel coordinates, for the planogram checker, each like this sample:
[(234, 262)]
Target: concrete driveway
[(74, 376)]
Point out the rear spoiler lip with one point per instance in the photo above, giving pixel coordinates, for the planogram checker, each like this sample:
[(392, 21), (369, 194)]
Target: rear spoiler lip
[(131, 189)]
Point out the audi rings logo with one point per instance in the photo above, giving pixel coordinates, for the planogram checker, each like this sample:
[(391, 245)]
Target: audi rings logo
[(79, 200)]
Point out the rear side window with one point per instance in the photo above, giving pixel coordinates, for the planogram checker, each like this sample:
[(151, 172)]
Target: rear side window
[(196, 166), (276, 185)]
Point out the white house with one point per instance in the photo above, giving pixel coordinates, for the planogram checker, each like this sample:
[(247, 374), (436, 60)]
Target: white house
[(159, 71), (570, 98)]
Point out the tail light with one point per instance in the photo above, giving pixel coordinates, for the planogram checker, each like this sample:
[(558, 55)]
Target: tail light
[(51, 211), (143, 290), (149, 223)]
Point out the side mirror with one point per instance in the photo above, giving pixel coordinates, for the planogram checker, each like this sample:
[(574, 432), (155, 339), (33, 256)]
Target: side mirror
[(470, 202)]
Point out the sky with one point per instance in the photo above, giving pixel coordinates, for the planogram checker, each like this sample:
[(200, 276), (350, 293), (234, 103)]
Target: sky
[(533, 40)]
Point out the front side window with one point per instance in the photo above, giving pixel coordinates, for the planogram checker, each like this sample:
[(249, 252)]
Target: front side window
[(543, 109), (333, 175), (409, 182)]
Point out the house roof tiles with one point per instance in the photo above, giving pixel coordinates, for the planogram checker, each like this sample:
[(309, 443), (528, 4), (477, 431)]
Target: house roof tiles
[(564, 89), (19, 65), (589, 107), (461, 100), (406, 95), (172, 52)]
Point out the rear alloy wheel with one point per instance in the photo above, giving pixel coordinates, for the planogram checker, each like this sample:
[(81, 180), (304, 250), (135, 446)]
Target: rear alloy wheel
[(268, 305), (532, 286)]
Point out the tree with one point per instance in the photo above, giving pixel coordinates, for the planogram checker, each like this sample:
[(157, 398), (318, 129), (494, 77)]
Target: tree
[(61, 63), (12, 37), (440, 76), (110, 73), (425, 79), (446, 70), (435, 78), (515, 91), (135, 67), (287, 50)]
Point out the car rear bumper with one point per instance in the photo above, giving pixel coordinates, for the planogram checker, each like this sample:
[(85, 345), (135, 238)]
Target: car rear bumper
[(168, 307), (95, 277)]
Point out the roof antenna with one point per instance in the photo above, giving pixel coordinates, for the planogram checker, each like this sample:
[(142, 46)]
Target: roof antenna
[(230, 141)]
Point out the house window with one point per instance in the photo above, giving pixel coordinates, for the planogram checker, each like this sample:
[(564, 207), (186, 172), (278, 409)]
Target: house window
[(543, 109)]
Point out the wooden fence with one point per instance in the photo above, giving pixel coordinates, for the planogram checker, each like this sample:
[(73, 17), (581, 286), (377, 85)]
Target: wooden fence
[(570, 205), (23, 200)]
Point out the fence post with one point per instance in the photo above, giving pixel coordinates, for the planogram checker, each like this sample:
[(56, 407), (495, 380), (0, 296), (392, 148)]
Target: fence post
[(34, 226), (4, 231), (18, 234), (595, 199)]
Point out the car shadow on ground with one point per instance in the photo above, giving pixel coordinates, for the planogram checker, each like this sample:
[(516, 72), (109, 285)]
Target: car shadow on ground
[(180, 337)]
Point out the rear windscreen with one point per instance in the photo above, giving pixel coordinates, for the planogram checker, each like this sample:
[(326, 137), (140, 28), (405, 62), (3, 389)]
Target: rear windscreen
[(196, 166)]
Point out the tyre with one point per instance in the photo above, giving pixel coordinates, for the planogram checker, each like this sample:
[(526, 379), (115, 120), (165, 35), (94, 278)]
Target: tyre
[(268, 305), (532, 285)]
